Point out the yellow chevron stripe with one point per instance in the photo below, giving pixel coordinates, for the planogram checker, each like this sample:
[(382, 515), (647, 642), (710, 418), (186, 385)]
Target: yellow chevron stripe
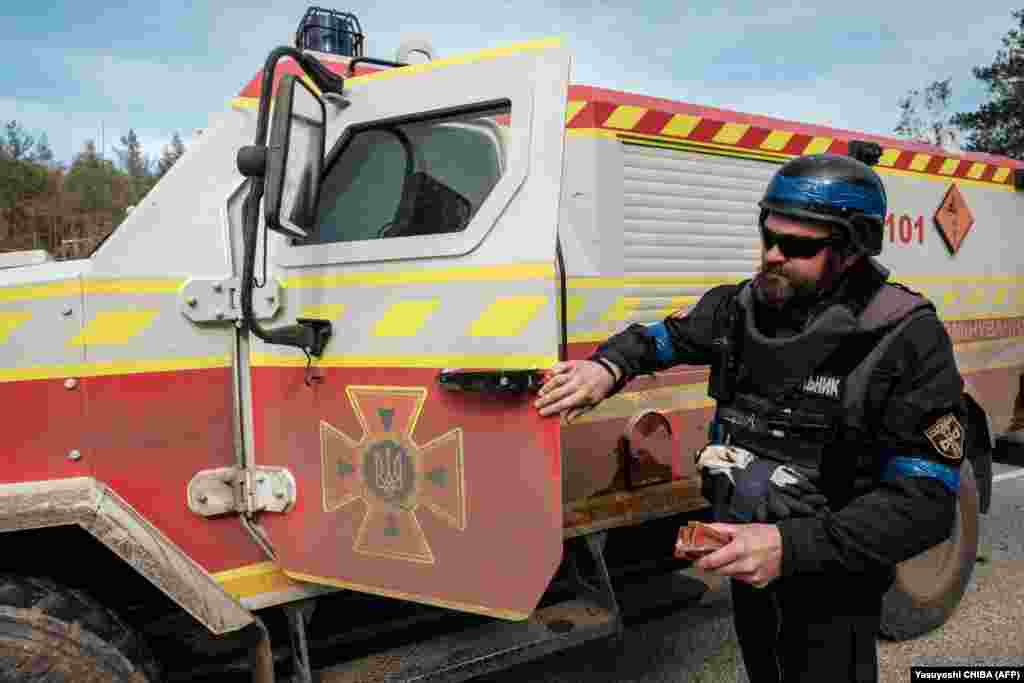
[(532, 271), (424, 361), (977, 170), (111, 368), (777, 140), (405, 318), (9, 322), (113, 327), (818, 145), (889, 157), (1001, 175), (621, 309), (920, 162), (625, 116), (508, 316), (731, 133), (323, 311), (681, 125), (573, 108), (949, 166)]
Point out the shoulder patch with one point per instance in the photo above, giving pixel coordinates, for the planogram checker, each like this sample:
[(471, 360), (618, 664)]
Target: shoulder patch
[(947, 435)]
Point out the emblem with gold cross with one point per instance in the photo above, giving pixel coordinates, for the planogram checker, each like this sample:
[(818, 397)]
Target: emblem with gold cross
[(393, 475)]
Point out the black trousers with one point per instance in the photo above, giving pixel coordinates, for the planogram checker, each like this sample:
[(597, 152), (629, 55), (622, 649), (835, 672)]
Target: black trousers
[(810, 628)]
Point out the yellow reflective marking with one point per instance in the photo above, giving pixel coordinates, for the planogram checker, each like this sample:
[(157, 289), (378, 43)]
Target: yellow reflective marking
[(1002, 294), (574, 306), (323, 311), (470, 58), (889, 157), (446, 360), (625, 116), (621, 309), (405, 318), (942, 179), (154, 286), (949, 166), (677, 303), (680, 125), (574, 108), (1001, 175), (532, 271), (46, 291), (731, 133), (113, 327), (245, 103), (254, 579), (776, 140), (818, 146), (977, 170), (507, 316), (951, 297), (9, 322), (111, 368)]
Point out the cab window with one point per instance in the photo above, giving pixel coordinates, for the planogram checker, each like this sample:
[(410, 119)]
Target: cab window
[(424, 178)]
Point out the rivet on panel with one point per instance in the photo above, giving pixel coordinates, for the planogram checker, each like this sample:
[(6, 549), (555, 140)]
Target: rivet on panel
[(218, 288), (70, 383), (202, 498), (75, 455), (192, 301), (67, 311), (220, 315)]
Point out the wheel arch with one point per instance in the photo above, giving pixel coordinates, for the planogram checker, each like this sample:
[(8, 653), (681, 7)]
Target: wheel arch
[(46, 512)]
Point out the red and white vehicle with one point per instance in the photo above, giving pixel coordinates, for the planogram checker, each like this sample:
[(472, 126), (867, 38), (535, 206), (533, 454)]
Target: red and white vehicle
[(195, 462)]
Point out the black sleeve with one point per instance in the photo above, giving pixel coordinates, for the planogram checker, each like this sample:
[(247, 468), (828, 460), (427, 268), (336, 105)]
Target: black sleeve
[(678, 339), (919, 417)]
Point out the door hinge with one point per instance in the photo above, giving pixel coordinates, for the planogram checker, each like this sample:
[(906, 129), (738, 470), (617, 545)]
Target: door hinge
[(210, 301), (228, 490)]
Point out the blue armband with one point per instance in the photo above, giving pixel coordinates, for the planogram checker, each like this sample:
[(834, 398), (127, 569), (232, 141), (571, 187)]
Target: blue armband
[(662, 343), (909, 466)]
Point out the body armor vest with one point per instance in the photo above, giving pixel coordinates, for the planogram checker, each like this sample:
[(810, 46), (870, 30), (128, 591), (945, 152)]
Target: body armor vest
[(802, 399)]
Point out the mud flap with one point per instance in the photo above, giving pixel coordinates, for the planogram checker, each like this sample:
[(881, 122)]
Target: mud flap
[(929, 587)]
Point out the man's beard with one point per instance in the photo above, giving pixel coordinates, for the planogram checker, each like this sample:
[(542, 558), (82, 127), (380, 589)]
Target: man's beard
[(779, 290)]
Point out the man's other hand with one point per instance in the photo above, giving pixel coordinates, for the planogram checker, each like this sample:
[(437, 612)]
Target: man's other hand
[(754, 555), (574, 385)]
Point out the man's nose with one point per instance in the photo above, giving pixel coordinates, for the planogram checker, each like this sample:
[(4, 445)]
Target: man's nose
[(774, 255)]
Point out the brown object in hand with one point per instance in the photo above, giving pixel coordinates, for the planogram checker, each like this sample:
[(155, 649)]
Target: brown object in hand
[(699, 539)]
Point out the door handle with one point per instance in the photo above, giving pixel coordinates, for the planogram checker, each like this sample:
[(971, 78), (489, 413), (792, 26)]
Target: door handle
[(503, 382)]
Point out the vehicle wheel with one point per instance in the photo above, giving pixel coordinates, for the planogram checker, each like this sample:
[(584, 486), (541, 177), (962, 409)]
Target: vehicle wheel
[(53, 634), (929, 587)]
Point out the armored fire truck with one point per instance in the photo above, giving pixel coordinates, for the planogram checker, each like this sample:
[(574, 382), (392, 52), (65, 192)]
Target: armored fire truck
[(285, 409)]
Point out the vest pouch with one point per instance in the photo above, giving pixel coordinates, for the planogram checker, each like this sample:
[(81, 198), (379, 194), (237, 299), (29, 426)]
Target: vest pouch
[(787, 435)]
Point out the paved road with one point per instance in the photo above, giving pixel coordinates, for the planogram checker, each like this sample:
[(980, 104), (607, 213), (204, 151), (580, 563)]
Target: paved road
[(699, 644)]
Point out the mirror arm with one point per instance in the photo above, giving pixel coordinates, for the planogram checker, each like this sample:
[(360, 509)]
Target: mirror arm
[(310, 336)]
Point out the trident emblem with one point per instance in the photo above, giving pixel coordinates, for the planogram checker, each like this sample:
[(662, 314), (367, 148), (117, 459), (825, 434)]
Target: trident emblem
[(388, 457)]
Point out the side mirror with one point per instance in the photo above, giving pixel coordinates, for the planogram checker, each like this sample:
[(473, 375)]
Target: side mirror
[(295, 158)]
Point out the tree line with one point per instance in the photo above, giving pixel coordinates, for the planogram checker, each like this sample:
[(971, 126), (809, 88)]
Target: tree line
[(996, 127), (69, 210)]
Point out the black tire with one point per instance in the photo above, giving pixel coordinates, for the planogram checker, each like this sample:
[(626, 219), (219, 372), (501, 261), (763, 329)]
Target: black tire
[(929, 587), (52, 634)]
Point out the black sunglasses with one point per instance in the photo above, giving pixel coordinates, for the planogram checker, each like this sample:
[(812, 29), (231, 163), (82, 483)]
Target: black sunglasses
[(793, 246)]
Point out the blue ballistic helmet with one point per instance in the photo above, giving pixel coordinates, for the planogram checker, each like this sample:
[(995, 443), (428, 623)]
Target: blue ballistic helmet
[(833, 189)]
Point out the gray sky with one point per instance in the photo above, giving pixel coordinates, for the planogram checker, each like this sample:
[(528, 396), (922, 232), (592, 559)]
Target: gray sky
[(163, 66)]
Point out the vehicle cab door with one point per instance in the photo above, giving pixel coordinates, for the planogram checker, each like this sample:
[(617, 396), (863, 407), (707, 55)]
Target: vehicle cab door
[(423, 470)]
